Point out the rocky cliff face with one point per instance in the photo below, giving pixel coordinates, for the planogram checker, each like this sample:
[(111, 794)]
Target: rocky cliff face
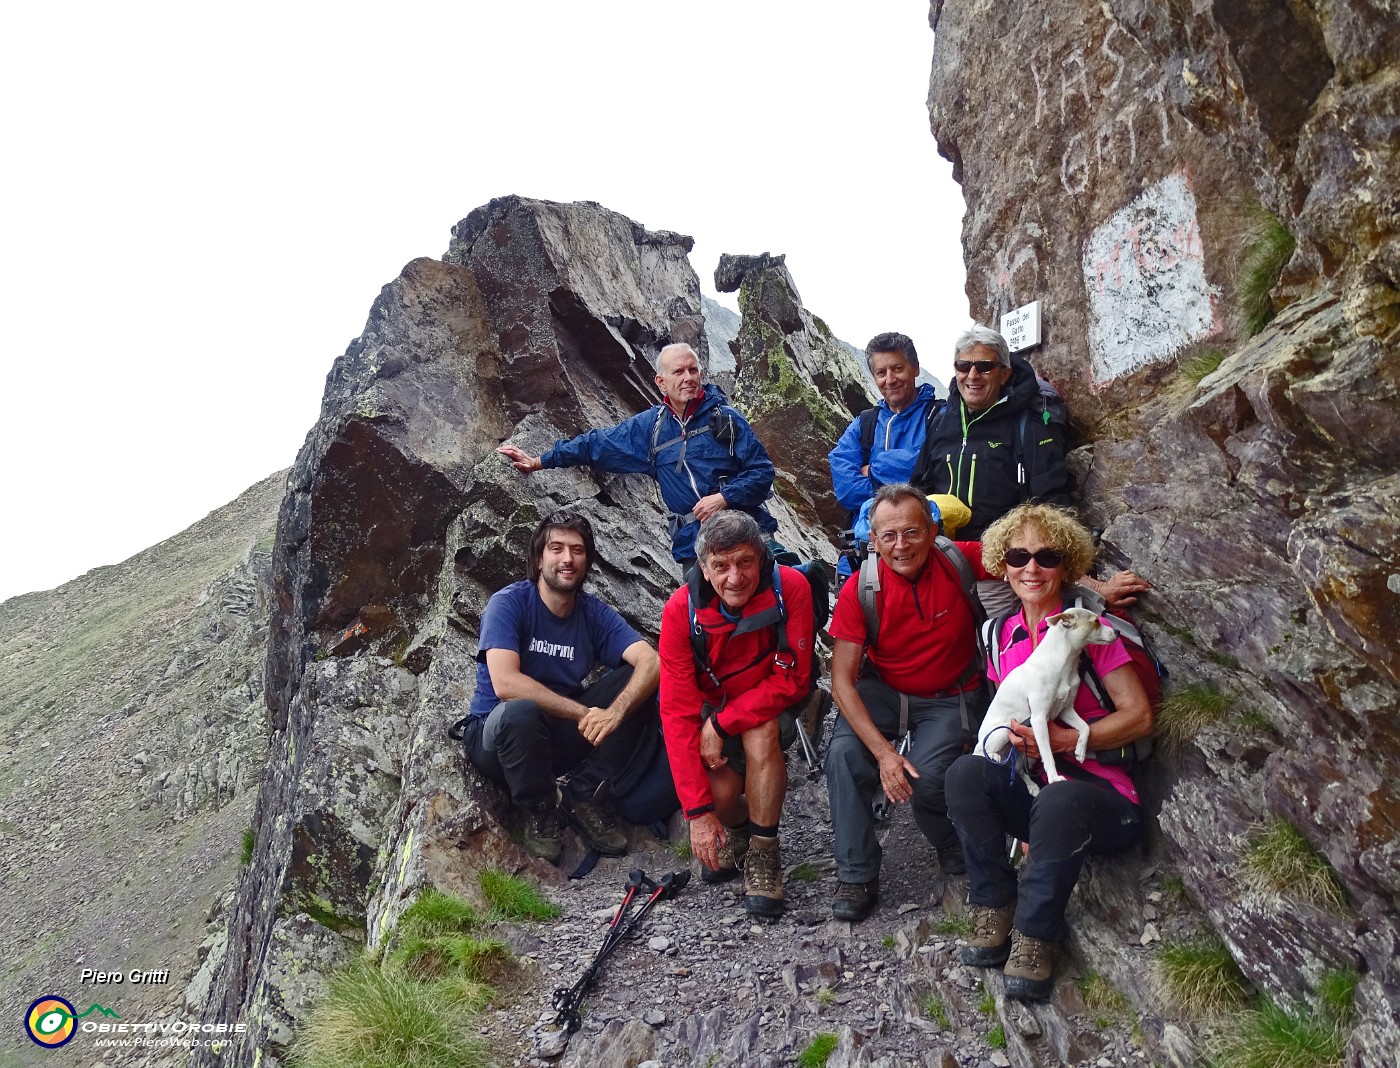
[(1114, 170)]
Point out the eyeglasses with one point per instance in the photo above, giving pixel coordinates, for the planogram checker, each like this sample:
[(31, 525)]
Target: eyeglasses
[(1046, 558), (985, 367), (912, 536)]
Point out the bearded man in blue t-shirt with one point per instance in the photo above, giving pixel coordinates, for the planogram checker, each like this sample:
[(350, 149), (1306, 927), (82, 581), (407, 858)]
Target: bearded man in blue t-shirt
[(534, 718)]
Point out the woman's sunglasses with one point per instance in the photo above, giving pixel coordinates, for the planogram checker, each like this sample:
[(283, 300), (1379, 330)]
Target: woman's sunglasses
[(1046, 558)]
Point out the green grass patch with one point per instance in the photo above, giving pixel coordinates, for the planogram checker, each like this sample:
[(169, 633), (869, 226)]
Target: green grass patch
[(1103, 999), (680, 849), (805, 873), (1266, 249), (1255, 721), (996, 1037), (1200, 364), (246, 852), (887, 941), (1175, 886), (1271, 1037), (1188, 711), (1201, 978), (435, 913), (817, 1051), (986, 1001), (825, 995), (959, 924), (1337, 991), (936, 1011), (1280, 860), (371, 1019), (513, 898)]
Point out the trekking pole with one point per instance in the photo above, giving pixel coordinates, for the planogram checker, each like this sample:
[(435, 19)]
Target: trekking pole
[(567, 1002)]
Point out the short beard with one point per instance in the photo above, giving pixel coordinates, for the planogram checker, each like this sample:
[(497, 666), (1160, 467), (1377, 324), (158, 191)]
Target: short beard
[(551, 579)]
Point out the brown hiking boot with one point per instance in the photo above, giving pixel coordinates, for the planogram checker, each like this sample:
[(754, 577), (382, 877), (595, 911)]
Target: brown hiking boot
[(594, 821), (763, 878), (731, 856), (544, 837), (1029, 969), (990, 943), (853, 901)]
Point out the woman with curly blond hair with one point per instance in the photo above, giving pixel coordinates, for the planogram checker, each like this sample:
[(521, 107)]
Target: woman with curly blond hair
[(1041, 551)]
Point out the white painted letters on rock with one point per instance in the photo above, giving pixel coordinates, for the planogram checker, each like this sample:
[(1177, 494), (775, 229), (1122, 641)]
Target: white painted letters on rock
[(1144, 269)]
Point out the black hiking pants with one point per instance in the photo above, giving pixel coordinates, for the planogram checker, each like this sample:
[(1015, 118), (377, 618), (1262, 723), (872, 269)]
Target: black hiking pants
[(525, 749), (1066, 822)]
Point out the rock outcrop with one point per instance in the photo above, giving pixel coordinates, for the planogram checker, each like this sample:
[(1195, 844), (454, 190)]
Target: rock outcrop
[(1114, 171), (799, 385)]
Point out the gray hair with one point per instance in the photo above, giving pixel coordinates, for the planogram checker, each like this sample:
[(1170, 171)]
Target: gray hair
[(893, 493), (725, 531), (891, 341), (983, 335), (678, 346)]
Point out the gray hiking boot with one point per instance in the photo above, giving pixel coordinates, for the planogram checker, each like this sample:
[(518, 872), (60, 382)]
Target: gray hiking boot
[(544, 838), (763, 878), (596, 825), (990, 943), (1029, 970), (731, 856)]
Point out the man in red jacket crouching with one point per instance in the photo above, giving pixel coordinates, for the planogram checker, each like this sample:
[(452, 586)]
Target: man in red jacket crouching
[(736, 656)]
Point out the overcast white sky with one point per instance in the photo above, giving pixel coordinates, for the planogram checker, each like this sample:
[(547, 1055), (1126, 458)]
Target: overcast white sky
[(202, 202)]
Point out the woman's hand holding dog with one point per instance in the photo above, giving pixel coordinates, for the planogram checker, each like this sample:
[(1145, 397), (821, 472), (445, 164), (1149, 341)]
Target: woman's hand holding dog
[(1062, 739)]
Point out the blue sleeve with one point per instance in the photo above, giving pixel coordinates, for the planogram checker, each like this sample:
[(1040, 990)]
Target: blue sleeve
[(623, 449), (852, 488), (500, 623), (752, 484), (611, 634)]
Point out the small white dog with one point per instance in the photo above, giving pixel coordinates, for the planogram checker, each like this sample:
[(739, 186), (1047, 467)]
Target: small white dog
[(1043, 687)]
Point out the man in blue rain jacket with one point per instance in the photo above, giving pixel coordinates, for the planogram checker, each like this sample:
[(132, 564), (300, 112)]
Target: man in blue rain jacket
[(882, 444), (703, 454)]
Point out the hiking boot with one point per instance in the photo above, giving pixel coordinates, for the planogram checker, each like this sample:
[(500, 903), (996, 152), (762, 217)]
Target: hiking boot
[(990, 943), (1029, 969), (763, 878), (593, 819), (731, 856), (544, 838), (853, 901), (950, 860)]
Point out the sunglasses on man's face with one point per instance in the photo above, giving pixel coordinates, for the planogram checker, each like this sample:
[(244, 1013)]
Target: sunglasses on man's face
[(985, 367), (1046, 558)]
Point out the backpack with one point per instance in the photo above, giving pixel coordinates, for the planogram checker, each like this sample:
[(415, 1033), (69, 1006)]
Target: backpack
[(869, 579), (721, 427), (1149, 670), (769, 617), (1052, 410)]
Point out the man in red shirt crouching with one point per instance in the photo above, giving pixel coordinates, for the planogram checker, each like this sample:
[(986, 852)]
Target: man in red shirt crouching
[(736, 656), (917, 673)]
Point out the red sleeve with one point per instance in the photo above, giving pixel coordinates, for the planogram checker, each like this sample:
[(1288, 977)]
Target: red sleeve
[(973, 551), (680, 707), (782, 685)]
